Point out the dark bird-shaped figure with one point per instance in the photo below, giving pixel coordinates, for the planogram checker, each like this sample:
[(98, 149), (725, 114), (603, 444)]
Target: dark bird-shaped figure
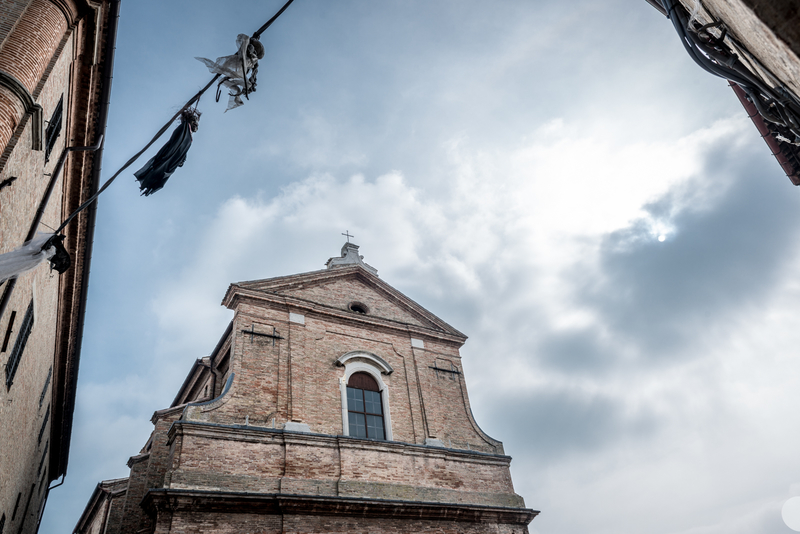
[(172, 155)]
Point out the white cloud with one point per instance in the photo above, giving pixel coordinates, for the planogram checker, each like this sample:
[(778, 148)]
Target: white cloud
[(504, 211)]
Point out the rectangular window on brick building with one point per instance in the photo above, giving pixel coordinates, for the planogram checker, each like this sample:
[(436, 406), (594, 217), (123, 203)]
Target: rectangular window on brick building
[(9, 330), (44, 388), (53, 129), (16, 506), (27, 506), (19, 346), (44, 424), (44, 457)]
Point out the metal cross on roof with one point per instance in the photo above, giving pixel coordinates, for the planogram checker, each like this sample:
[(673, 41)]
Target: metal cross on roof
[(348, 235)]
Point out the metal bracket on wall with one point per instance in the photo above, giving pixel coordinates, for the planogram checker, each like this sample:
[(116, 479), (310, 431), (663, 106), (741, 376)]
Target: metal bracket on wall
[(452, 371), (274, 335), (7, 182)]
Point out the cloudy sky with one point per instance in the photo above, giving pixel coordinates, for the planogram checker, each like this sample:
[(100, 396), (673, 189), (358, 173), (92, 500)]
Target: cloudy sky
[(510, 165)]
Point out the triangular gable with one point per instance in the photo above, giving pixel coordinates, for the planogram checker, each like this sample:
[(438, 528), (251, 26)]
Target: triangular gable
[(343, 292), (338, 288)]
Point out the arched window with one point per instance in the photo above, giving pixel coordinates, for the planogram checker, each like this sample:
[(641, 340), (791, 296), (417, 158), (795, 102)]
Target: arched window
[(364, 407)]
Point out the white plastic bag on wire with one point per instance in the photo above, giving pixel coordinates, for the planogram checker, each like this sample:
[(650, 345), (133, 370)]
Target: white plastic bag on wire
[(26, 257), (234, 68)]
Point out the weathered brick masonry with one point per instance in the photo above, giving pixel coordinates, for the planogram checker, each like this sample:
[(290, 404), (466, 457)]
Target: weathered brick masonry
[(263, 435), (53, 55)]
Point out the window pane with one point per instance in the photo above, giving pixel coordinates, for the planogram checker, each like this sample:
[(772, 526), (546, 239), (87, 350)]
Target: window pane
[(357, 427), (355, 400), (375, 427), (373, 402)]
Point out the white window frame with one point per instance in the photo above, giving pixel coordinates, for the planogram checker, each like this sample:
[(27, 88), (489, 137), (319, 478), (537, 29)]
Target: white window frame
[(365, 362)]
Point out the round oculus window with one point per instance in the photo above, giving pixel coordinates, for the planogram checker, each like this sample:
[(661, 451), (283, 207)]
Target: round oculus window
[(358, 308)]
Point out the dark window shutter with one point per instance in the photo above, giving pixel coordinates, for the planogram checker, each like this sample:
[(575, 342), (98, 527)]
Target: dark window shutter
[(44, 424), (19, 346), (16, 506), (9, 330), (44, 457), (53, 129), (46, 383)]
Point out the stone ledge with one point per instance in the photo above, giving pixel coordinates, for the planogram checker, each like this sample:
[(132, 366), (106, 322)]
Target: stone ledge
[(293, 426), (406, 493), (193, 480), (195, 502), (254, 434)]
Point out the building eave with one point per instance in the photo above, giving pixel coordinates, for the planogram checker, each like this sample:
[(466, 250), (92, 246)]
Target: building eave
[(191, 380), (103, 491), (272, 286), (310, 308), (75, 283)]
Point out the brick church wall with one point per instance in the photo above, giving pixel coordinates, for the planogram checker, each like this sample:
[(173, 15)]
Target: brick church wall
[(276, 430)]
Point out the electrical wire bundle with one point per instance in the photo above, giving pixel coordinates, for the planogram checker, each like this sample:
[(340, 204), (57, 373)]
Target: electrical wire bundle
[(777, 105)]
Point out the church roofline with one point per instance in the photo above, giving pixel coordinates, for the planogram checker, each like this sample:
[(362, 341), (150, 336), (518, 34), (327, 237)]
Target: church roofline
[(191, 379), (310, 308), (205, 362), (270, 286), (105, 489)]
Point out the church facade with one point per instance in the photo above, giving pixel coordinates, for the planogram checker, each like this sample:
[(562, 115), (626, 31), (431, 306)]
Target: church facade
[(332, 403)]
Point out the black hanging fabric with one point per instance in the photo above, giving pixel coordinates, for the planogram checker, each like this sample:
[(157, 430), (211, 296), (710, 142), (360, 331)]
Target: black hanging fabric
[(60, 261), (172, 155), (155, 173)]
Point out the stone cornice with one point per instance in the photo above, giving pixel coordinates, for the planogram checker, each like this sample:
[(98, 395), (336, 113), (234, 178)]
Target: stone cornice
[(239, 294), (20, 91), (167, 412), (377, 361), (72, 10), (254, 434), (296, 281), (195, 501), (138, 458), (90, 85)]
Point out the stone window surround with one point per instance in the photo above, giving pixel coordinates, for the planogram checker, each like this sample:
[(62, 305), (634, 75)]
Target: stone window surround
[(365, 362)]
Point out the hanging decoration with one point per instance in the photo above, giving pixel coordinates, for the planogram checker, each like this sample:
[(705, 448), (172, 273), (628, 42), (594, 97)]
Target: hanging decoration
[(238, 71), (172, 155), (26, 257)]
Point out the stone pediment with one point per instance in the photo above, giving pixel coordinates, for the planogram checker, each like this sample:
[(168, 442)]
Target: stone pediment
[(352, 289)]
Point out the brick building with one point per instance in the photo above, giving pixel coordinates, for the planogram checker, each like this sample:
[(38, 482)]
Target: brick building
[(56, 58), (755, 45), (332, 403)]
